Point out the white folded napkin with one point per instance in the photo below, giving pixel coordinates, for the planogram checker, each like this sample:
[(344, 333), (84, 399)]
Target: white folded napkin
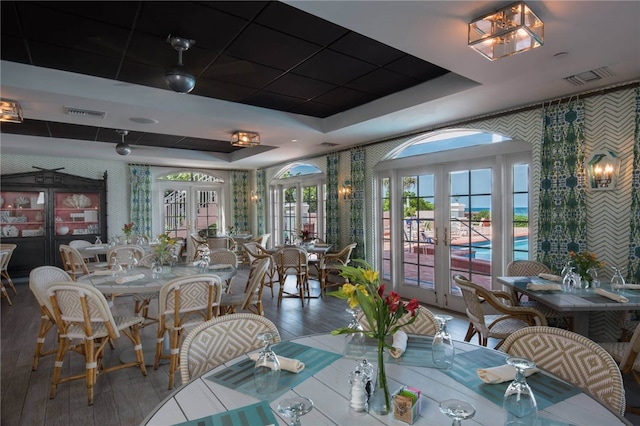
[(550, 277), (287, 364), (102, 272), (502, 373), (122, 280), (94, 248), (399, 344), (632, 286), (220, 266), (541, 287), (612, 296)]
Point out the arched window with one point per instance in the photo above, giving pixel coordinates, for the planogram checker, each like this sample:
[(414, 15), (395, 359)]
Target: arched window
[(452, 202), (297, 203)]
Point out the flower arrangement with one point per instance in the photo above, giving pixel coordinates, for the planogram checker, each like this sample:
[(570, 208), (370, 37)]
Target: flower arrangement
[(163, 250), (583, 261), (382, 313), (128, 229), (230, 230), (305, 234)]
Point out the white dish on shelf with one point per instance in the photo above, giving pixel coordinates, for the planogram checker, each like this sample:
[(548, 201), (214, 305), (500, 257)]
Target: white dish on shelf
[(10, 231)]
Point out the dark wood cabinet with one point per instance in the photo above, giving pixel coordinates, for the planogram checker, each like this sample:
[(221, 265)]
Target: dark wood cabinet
[(41, 210)]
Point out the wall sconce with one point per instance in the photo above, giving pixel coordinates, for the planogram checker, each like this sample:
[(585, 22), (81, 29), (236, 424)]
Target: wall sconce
[(345, 190), (245, 139), (254, 196), (505, 32), (10, 111), (602, 170)]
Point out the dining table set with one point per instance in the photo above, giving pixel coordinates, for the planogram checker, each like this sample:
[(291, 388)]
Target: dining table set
[(587, 305), (477, 384)]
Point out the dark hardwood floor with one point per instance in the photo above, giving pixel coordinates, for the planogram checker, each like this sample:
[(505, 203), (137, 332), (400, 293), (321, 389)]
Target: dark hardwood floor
[(125, 397)]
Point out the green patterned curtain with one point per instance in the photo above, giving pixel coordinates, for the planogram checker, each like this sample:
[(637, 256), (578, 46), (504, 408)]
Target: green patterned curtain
[(240, 199), (633, 268), (562, 222), (333, 206), (357, 203), (140, 205), (262, 196)]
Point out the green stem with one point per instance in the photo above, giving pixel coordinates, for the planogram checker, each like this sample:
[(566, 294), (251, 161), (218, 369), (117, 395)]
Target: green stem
[(382, 376)]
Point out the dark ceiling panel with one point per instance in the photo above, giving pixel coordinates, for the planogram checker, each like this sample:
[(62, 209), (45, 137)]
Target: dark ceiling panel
[(154, 139), (299, 87), (366, 49), (292, 21), (28, 128), (271, 48), (382, 82), (416, 68), (73, 131), (210, 145), (333, 67), (262, 53), (241, 72)]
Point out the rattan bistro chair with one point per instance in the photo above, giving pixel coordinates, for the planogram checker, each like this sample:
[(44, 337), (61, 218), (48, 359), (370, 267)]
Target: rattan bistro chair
[(574, 358), (424, 325), (82, 313), (227, 257), (255, 252), (508, 320), (184, 302), (532, 268), (8, 249), (39, 280), (251, 299), (293, 260), (73, 262), (220, 340), (331, 263), (626, 355)]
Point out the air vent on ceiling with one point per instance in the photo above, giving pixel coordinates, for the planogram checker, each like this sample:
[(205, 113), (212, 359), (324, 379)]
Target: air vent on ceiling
[(328, 144), (589, 76), (85, 112)]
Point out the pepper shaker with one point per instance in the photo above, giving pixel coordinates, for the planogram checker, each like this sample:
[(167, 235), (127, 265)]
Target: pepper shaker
[(358, 396)]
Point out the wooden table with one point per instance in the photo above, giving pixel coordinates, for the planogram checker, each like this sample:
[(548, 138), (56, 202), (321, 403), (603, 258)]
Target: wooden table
[(329, 390), (581, 303)]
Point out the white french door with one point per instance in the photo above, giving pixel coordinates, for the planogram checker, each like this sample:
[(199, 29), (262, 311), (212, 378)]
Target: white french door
[(441, 233)]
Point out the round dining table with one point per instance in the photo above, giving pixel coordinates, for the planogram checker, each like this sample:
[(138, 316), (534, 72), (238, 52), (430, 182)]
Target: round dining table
[(224, 395)]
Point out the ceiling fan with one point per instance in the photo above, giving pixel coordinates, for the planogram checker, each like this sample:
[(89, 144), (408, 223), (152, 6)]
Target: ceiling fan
[(178, 78)]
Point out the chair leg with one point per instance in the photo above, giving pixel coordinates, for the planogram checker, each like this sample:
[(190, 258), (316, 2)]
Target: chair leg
[(5, 274), (301, 288), (159, 342), (137, 346), (281, 290), (63, 345), (45, 326), (173, 365), (5, 294), (470, 332), (91, 369)]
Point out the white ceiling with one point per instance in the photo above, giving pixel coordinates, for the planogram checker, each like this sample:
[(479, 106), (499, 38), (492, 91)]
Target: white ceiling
[(593, 34)]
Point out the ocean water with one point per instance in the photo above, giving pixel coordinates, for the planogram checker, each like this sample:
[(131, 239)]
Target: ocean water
[(517, 210)]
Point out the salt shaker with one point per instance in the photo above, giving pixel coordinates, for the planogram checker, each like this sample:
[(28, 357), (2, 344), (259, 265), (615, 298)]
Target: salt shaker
[(369, 373), (357, 393)]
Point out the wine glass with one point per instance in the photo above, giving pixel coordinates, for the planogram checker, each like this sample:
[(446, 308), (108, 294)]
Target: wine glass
[(132, 262), (569, 281), (116, 267), (355, 342), (442, 348), (617, 280), (519, 404), (595, 282), (457, 410), (266, 372), (295, 408)]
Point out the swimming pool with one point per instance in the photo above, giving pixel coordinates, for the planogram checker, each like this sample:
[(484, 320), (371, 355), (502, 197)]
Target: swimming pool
[(482, 251)]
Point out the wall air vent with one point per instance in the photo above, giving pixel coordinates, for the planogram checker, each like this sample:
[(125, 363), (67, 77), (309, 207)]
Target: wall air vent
[(85, 113), (329, 144), (589, 76)]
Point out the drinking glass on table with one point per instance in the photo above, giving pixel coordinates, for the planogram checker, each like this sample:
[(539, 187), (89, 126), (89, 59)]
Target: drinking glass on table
[(569, 282), (266, 372), (116, 267), (295, 408), (354, 343), (617, 280), (442, 348), (520, 407), (457, 410)]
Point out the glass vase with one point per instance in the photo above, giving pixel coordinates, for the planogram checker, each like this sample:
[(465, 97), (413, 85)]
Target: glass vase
[(379, 401)]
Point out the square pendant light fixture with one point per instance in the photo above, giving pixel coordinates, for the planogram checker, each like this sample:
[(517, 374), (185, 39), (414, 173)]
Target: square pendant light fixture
[(10, 111), (245, 139), (507, 31)]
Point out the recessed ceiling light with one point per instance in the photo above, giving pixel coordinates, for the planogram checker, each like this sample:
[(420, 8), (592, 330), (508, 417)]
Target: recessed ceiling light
[(142, 120), (294, 140)]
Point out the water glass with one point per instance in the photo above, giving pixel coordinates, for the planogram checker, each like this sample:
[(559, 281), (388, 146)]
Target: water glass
[(266, 372), (520, 407), (457, 410), (595, 282), (132, 262), (617, 280), (354, 343), (442, 348), (116, 267), (569, 282), (295, 408)]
